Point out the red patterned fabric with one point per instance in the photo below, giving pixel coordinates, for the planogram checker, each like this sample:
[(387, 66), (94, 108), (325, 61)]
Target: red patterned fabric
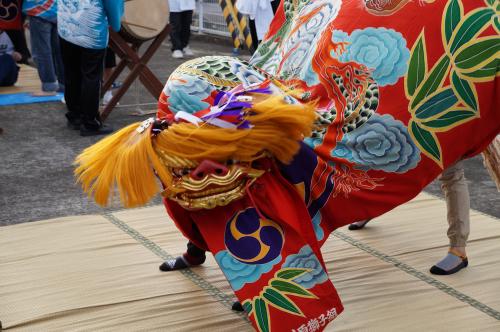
[(404, 89), (10, 14)]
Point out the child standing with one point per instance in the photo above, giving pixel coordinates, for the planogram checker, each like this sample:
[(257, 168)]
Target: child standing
[(8, 58), (181, 17), (42, 16)]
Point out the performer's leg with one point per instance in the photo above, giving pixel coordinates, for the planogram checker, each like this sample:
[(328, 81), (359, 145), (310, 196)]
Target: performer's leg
[(457, 198), (192, 257), (358, 225)]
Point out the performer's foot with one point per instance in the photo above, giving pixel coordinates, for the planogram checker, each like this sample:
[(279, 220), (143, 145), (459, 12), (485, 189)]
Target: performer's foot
[(181, 262), (451, 263), (358, 225), (237, 306)]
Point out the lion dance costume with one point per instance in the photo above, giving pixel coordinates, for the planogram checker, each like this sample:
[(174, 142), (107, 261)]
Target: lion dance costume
[(347, 110)]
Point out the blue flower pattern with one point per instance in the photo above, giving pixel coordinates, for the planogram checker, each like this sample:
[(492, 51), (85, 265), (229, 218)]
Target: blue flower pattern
[(383, 143), (190, 97), (380, 49), (306, 259)]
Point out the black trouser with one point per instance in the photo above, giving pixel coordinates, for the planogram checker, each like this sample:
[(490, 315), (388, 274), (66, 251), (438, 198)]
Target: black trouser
[(275, 4), (110, 58), (194, 251), (83, 68), (253, 33), (181, 29)]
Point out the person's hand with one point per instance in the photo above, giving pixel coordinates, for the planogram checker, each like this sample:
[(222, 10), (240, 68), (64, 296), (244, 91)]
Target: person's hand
[(17, 56)]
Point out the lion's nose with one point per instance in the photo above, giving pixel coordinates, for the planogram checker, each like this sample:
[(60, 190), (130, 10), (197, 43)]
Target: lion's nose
[(208, 167)]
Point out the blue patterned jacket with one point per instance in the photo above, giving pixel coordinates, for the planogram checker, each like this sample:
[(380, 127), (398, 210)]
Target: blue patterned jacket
[(85, 22)]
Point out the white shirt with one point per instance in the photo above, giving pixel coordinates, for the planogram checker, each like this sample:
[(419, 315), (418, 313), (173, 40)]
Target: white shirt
[(6, 46), (177, 6)]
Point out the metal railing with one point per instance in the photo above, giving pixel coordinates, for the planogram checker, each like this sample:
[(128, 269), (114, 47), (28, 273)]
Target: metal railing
[(208, 18)]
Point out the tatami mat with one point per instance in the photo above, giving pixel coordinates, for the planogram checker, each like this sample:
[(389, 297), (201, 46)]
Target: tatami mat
[(100, 273)]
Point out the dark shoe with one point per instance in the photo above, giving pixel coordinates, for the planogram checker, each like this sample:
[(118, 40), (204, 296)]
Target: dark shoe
[(358, 225), (74, 120), (104, 129), (237, 307), (75, 124), (442, 272)]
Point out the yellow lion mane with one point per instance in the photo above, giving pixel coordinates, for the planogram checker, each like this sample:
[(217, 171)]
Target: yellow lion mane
[(131, 161)]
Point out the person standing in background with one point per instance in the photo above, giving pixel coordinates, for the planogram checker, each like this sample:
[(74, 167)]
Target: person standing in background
[(83, 29), (109, 66), (181, 17), (45, 48), (260, 13)]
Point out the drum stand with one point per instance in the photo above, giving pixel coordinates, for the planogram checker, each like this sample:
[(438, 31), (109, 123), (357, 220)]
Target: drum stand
[(129, 57)]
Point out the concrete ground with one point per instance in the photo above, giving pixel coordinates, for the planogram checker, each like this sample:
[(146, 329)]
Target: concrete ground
[(37, 151)]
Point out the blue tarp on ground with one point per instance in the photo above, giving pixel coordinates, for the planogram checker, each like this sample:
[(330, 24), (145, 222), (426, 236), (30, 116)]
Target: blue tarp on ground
[(27, 98)]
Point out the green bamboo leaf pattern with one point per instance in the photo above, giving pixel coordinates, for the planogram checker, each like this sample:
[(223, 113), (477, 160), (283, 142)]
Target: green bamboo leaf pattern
[(490, 2), (261, 315), (247, 306), (417, 67), (477, 53), (433, 81), (426, 141), (471, 27), (450, 120), (279, 300), (487, 71), (291, 288), (436, 104), (453, 15), (464, 90), (291, 273)]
